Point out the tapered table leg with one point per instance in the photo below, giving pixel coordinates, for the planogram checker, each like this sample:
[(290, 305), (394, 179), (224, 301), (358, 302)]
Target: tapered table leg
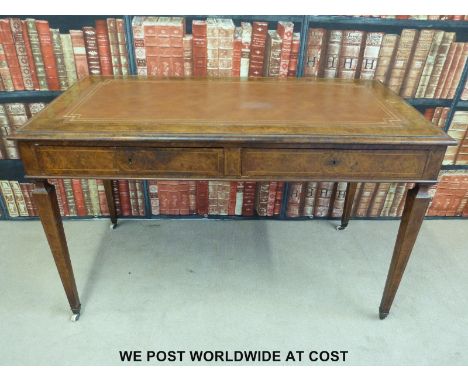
[(45, 199), (348, 205), (417, 201), (110, 202)]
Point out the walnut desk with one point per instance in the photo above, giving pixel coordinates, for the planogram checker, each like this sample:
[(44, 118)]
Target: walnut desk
[(263, 129)]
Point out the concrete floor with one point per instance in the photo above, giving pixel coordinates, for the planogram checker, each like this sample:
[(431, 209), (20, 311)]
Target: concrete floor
[(223, 285)]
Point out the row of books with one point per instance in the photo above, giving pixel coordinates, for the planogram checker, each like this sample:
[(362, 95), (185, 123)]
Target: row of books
[(86, 197), (458, 130), (422, 64), (216, 48), (34, 56), (420, 17)]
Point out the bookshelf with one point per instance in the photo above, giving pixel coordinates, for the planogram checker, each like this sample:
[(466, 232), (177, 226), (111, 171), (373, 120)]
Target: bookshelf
[(12, 169)]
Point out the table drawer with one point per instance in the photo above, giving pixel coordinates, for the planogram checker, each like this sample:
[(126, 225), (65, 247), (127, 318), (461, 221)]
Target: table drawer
[(102, 161), (296, 163)]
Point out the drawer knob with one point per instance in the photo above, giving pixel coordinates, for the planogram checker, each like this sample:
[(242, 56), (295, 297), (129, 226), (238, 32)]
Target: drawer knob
[(333, 162), (130, 161)]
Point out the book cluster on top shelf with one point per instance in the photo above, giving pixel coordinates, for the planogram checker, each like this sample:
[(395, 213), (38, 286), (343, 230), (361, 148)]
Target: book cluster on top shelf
[(420, 63)]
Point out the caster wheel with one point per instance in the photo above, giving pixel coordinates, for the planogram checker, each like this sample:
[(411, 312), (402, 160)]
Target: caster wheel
[(340, 228), (75, 317), (112, 226)]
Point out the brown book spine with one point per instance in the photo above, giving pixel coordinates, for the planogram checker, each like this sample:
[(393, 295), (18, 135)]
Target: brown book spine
[(139, 44), (462, 154), (257, 49), (140, 197), (6, 37), (338, 203), (429, 113), (386, 57), (403, 56), (192, 197), (436, 115), (272, 62), (278, 198), (445, 70), (452, 87), (363, 205), (63, 193), (285, 31), (237, 52), (248, 201), (350, 54), (37, 54), (184, 198), (447, 77), (87, 196), (60, 197), (416, 66), (378, 200), (95, 209), (79, 197), (29, 53), (133, 198), (17, 33), (103, 207), (271, 198), (295, 198), (59, 59), (79, 52), (164, 198), (92, 53), (9, 198), (116, 194), (213, 197), (399, 193), (322, 200), (223, 197), (188, 55), (45, 40), (309, 199), (124, 197), (153, 195), (19, 199), (5, 75), (202, 197), (370, 55), (315, 57), (261, 203), (113, 45), (70, 197), (457, 131), (104, 49), (123, 52), (232, 198), (27, 199), (199, 49), (293, 59), (12, 117), (332, 57), (212, 45)]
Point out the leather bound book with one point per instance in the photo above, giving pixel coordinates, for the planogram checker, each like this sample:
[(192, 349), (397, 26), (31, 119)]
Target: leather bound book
[(226, 30), (45, 40), (87, 196), (271, 198), (192, 184), (9, 49), (16, 113), (309, 199), (19, 199), (70, 196), (63, 193), (322, 200), (444, 73), (202, 197), (212, 47), (272, 63), (443, 117), (245, 51), (367, 193), (429, 64), (79, 52), (104, 49), (338, 203), (436, 115), (199, 48), (69, 58), (415, 67), (285, 31), (399, 194), (35, 107), (94, 196), (92, 53), (113, 45), (239, 198), (153, 195), (140, 197), (457, 131), (350, 54), (183, 198), (133, 198), (29, 53), (188, 55), (27, 198), (462, 154), (278, 198), (294, 200), (403, 199), (403, 57), (124, 197), (232, 198), (60, 197), (452, 87), (429, 113), (10, 147), (439, 63), (449, 71), (30, 188), (237, 52), (79, 197), (5, 75), (332, 57), (370, 55), (17, 33), (386, 57), (116, 194), (223, 193), (316, 49), (213, 197), (257, 48), (122, 40), (261, 203), (388, 200), (9, 198), (378, 200), (59, 59), (37, 54), (295, 48), (139, 44), (103, 208), (248, 201), (463, 190)]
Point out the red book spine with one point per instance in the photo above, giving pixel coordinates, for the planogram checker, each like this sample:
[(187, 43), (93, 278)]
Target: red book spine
[(115, 193), (199, 50), (79, 197), (17, 32), (92, 53), (9, 49), (232, 198), (27, 198), (133, 198), (295, 47), (192, 197), (61, 189), (202, 197), (102, 197), (79, 52), (183, 200), (248, 201), (29, 53), (60, 196), (285, 30), (278, 198), (5, 75), (48, 56), (257, 49), (237, 52), (124, 196), (103, 45), (30, 188), (271, 198)]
